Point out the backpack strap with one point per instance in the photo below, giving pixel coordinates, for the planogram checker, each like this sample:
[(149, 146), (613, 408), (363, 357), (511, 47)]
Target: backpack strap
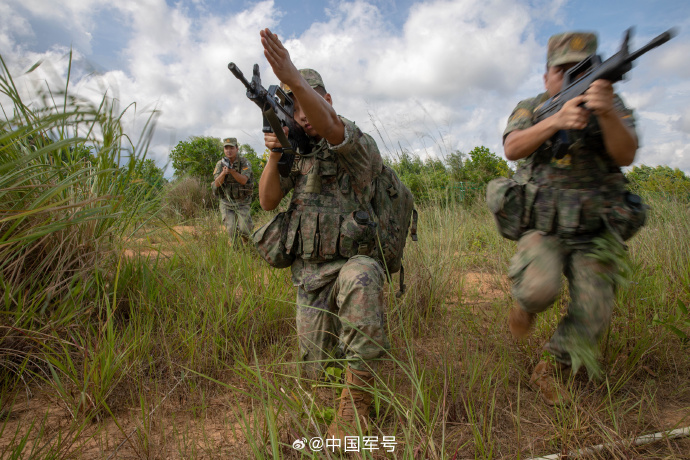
[(403, 287), (413, 226)]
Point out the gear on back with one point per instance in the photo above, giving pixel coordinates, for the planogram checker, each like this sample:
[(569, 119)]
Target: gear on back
[(393, 204)]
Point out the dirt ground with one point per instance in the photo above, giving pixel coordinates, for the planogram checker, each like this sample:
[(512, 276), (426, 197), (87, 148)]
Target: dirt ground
[(183, 424)]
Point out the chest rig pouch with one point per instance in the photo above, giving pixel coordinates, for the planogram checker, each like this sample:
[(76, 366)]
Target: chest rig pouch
[(584, 193), (233, 190), (323, 224)]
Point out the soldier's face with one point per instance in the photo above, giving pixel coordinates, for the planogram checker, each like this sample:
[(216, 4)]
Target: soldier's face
[(553, 78), (230, 152), (301, 118)]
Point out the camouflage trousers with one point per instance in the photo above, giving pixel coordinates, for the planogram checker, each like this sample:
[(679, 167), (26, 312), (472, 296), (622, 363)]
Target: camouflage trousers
[(343, 319), (536, 272), (237, 219)]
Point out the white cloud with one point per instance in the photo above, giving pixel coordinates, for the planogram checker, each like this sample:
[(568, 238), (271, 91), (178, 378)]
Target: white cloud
[(12, 27), (446, 80), (674, 154)]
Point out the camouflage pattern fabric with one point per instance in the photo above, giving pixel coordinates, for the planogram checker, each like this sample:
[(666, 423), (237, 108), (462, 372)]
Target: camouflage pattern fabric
[(312, 77), (235, 198), (339, 292), (237, 220), (570, 47), (269, 241), (319, 214), (569, 200), (343, 319), (536, 274), (522, 116)]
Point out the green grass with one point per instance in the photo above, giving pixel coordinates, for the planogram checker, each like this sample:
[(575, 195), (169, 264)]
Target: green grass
[(124, 333)]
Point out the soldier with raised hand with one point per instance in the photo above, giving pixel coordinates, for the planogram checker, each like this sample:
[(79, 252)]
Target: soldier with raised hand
[(339, 285), (569, 204), (233, 184)]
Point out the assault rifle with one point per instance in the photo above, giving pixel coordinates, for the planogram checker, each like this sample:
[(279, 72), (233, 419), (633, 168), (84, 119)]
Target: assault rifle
[(578, 78), (278, 110), (225, 162)]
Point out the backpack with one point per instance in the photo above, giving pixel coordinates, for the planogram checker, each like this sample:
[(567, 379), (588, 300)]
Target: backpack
[(393, 204)]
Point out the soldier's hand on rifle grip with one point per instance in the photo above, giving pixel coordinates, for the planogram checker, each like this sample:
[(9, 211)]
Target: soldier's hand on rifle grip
[(271, 142), (572, 115), (599, 98)]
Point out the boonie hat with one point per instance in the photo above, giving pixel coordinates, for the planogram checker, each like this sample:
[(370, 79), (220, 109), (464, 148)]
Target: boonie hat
[(313, 79), (230, 141), (570, 47)]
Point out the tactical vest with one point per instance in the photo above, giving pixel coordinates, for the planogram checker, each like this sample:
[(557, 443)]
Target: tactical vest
[(577, 196), (232, 190), (236, 191), (324, 223), (572, 193)]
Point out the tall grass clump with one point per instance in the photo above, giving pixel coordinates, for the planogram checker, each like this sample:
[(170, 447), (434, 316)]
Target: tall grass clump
[(68, 193), (61, 204), (188, 198)]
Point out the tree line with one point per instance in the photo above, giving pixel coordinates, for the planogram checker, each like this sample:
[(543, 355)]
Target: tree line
[(459, 177)]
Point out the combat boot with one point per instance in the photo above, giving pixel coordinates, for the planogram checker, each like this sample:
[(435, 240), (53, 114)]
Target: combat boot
[(520, 322), (548, 379), (355, 402)]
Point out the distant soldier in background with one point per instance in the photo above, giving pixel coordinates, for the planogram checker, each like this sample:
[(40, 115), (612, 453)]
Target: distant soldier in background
[(233, 184), (577, 213)]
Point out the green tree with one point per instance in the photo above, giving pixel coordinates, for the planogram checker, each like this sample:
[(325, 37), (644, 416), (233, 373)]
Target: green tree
[(427, 179), (662, 180), (471, 172), (481, 167), (257, 164), (151, 174), (196, 157)]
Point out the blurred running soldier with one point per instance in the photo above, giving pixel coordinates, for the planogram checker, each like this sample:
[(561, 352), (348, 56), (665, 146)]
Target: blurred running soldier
[(568, 232)]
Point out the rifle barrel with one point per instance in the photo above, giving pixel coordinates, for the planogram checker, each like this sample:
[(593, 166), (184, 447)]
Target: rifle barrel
[(238, 74), (656, 41)]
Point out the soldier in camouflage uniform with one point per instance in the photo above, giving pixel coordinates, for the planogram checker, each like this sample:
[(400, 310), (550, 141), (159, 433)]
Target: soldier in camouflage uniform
[(569, 203), (234, 187), (339, 286)]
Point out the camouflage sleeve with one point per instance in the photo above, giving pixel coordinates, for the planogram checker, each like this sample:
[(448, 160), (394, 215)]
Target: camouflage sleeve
[(246, 170), (521, 118), (626, 114), (359, 155), (216, 172)]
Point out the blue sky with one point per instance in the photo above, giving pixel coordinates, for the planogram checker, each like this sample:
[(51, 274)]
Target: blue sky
[(431, 77)]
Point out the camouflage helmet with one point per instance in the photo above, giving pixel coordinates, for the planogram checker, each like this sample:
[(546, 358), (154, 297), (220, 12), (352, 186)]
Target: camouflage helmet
[(313, 79), (230, 141), (570, 47)]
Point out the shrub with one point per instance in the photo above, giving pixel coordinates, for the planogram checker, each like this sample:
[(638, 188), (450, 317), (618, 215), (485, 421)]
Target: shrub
[(188, 197)]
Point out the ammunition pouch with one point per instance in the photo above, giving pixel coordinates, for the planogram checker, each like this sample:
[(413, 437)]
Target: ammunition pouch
[(627, 215), (566, 212), (237, 191), (356, 235), (506, 200), (270, 242), (322, 236)]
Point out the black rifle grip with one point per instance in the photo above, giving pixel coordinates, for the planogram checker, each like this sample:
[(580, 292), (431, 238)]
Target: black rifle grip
[(561, 144), (285, 163)]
